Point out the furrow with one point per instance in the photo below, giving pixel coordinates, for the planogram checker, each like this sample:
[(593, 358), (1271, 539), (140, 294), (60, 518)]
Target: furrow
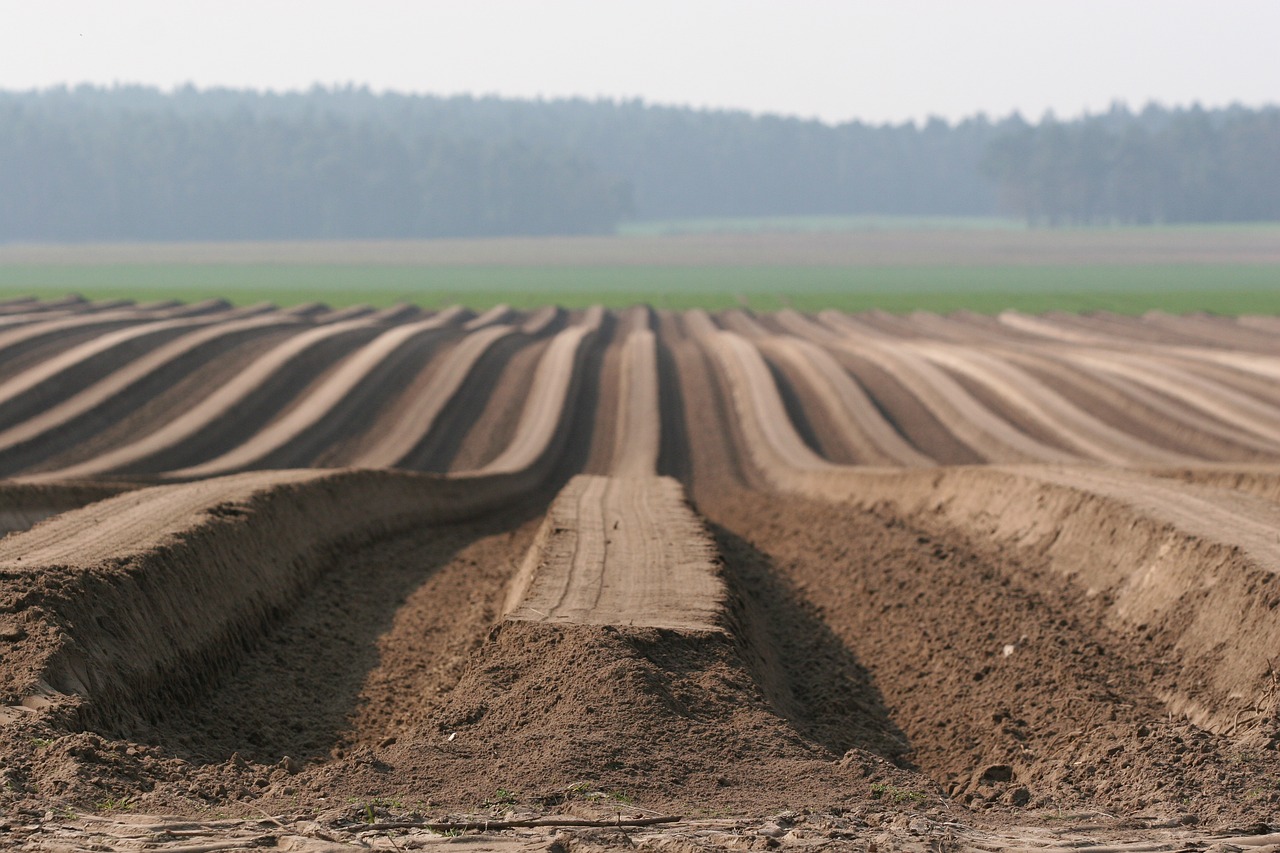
[(221, 403), (123, 390), (972, 423), (1071, 426), (321, 406), (554, 384), (395, 441), (1209, 398), (54, 378), (1136, 408), (874, 440)]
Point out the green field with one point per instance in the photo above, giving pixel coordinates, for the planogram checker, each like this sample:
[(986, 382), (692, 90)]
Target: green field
[(1225, 270), (1223, 289)]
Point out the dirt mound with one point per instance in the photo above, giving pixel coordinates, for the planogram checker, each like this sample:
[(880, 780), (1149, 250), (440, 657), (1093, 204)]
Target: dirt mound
[(670, 718)]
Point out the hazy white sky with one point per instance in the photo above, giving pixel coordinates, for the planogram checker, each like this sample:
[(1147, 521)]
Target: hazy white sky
[(888, 60)]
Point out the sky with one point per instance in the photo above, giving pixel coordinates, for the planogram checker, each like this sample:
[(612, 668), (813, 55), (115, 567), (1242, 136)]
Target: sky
[(883, 61)]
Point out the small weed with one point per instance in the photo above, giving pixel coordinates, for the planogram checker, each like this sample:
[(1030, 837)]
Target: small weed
[(502, 797), (881, 791), (114, 804), (42, 742)]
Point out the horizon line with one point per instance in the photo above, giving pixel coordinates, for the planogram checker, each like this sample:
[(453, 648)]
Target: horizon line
[(1116, 104)]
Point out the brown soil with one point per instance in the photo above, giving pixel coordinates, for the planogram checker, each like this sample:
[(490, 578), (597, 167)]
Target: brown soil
[(652, 577), (988, 660)]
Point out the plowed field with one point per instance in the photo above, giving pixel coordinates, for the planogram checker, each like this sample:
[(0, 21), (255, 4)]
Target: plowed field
[(314, 579)]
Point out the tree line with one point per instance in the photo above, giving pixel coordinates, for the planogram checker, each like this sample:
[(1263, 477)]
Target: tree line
[(135, 163), (1155, 166)]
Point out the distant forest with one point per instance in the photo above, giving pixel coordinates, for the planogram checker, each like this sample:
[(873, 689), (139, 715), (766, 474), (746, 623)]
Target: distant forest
[(134, 163)]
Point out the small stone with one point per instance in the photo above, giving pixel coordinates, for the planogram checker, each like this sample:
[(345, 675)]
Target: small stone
[(771, 830), (288, 765), (11, 632)]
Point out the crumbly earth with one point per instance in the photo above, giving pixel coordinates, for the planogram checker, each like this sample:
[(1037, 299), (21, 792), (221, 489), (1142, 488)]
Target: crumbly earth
[(865, 657)]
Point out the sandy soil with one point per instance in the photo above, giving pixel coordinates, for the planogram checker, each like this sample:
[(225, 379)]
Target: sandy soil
[(678, 580)]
